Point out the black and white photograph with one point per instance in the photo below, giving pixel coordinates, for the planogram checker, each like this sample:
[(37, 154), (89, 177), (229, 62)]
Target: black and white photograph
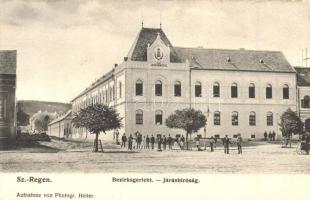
[(154, 87)]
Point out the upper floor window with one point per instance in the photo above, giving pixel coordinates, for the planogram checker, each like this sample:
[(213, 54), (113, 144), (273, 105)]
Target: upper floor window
[(197, 89), (234, 90), (217, 118), (269, 92), (252, 119), (158, 88), (177, 89), (269, 119), (139, 117), (120, 89), (158, 117), (234, 118), (216, 90), (286, 92), (252, 90), (2, 108), (139, 88), (305, 102)]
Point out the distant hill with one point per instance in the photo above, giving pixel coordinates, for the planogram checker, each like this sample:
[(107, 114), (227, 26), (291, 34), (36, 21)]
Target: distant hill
[(30, 107)]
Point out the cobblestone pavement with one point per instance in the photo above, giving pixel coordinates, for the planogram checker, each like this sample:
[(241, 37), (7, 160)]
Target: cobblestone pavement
[(266, 158)]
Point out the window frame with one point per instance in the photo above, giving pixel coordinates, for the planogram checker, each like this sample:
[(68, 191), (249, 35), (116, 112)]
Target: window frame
[(139, 87), (269, 91), (216, 86), (198, 89), (234, 90), (177, 89), (269, 118), (217, 118), (139, 117), (251, 91), (234, 118), (252, 118), (158, 88), (159, 113)]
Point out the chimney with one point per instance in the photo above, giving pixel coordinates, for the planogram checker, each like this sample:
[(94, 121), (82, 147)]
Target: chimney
[(115, 65), (125, 59)]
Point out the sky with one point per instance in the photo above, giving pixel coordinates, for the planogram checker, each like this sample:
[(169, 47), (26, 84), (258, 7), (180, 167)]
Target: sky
[(65, 45)]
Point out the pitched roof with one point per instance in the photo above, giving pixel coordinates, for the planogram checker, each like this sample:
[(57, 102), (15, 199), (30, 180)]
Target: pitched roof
[(303, 76), (237, 60), (102, 79), (7, 61), (138, 51), (60, 118)]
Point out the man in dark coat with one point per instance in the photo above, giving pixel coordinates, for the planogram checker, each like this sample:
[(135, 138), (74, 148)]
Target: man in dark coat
[(226, 142), (212, 141), (169, 140), (265, 135), (124, 139), (159, 141), (152, 141), (273, 135), (147, 140), (164, 142), (270, 136), (130, 142), (239, 143)]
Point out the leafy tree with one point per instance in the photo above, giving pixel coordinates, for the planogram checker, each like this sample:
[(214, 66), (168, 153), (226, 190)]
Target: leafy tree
[(22, 118), (188, 119), (42, 119), (97, 118), (290, 124)]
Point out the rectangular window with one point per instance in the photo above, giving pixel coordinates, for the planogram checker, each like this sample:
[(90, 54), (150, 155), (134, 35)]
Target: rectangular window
[(139, 89), (252, 121), (251, 92), (158, 119), (217, 119), (234, 91), (286, 93), (139, 118), (177, 90), (197, 90), (269, 92), (158, 90), (216, 91), (234, 119)]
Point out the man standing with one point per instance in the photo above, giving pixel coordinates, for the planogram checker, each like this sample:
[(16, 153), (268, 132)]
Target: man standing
[(265, 135), (130, 142), (147, 140), (307, 141), (270, 136), (273, 135), (152, 141), (212, 141), (226, 143), (124, 139), (159, 141), (169, 142), (164, 142), (239, 143), (143, 143)]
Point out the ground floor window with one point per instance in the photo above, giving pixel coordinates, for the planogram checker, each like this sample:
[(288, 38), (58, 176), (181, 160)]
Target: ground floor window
[(158, 117), (252, 119), (139, 117), (269, 119), (234, 118), (217, 118)]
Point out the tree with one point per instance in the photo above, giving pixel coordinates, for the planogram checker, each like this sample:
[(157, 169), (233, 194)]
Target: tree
[(42, 119), (22, 118), (97, 118), (290, 124), (188, 119)]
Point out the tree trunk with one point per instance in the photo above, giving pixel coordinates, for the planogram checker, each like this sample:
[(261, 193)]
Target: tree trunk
[(186, 141), (96, 142)]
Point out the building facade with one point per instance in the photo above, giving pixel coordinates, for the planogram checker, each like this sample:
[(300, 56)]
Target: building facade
[(61, 127), (303, 95), (239, 91), (7, 96)]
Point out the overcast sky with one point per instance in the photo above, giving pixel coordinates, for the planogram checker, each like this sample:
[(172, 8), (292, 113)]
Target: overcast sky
[(63, 46)]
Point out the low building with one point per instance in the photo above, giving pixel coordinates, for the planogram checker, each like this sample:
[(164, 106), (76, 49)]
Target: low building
[(303, 94), (7, 96), (240, 91), (61, 126)]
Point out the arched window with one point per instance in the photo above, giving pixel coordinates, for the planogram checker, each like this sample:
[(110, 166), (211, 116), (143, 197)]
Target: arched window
[(252, 119), (158, 88), (252, 90), (197, 89), (217, 118), (269, 119), (139, 88), (158, 117), (177, 89), (139, 117), (269, 92), (286, 92), (216, 90), (234, 90), (305, 102), (234, 118)]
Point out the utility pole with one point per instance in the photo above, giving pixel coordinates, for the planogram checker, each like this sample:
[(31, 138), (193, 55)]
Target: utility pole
[(306, 57)]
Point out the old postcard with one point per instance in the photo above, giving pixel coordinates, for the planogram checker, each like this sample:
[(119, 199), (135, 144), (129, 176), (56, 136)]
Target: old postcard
[(154, 99)]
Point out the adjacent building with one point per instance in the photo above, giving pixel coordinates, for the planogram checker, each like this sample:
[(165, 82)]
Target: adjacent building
[(303, 94), (7, 96), (61, 126), (240, 91)]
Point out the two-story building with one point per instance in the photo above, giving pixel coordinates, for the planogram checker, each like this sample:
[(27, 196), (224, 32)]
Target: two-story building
[(7, 97), (240, 91)]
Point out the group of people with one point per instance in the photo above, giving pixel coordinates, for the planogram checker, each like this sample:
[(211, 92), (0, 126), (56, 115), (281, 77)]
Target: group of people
[(146, 142), (305, 142), (137, 141), (271, 136)]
